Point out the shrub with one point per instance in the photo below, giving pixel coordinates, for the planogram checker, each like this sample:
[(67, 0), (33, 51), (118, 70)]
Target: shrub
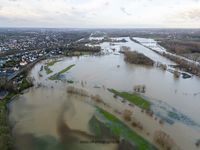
[(127, 115), (77, 91), (176, 74), (164, 140)]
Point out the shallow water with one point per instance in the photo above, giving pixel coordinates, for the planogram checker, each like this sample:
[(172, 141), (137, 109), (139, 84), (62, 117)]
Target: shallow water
[(37, 111)]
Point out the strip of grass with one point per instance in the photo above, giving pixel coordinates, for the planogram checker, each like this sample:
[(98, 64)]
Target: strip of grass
[(56, 76), (66, 69), (6, 139), (47, 69), (133, 98), (120, 130), (6, 100), (51, 63)]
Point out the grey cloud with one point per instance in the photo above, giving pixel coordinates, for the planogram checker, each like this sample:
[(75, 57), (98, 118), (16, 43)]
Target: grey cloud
[(192, 14), (73, 8), (94, 14), (189, 16), (106, 3), (124, 11)]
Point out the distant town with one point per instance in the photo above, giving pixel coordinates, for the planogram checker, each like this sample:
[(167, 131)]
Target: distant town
[(20, 47)]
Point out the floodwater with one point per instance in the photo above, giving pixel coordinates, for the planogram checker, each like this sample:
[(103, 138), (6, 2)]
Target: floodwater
[(49, 117), (151, 43)]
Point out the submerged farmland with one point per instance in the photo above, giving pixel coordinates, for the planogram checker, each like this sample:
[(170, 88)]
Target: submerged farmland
[(99, 89)]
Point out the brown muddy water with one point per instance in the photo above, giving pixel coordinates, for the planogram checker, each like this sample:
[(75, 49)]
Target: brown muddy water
[(47, 117)]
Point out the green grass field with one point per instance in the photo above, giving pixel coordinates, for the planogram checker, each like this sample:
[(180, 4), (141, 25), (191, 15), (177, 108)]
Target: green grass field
[(120, 130), (133, 98), (56, 76), (51, 63)]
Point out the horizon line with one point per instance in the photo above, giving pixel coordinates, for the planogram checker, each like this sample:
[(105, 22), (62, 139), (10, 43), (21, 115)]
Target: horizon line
[(100, 28)]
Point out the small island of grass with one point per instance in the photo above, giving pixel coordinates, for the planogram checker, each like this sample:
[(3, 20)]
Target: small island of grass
[(122, 131), (56, 76), (133, 98), (51, 63)]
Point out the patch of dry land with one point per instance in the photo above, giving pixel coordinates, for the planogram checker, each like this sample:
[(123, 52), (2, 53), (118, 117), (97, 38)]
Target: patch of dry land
[(137, 58)]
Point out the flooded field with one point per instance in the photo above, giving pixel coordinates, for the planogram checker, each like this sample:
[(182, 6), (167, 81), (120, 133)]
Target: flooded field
[(47, 117)]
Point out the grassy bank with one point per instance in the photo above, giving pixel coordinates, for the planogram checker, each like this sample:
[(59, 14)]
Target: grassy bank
[(56, 76), (66, 69), (6, 139), (133, 98), (122, 131), (6, 100), (25, 85)]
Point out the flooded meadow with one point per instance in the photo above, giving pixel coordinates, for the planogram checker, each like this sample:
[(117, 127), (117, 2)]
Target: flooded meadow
[(47, 116)]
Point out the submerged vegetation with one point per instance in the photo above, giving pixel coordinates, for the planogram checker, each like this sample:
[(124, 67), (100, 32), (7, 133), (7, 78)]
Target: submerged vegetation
[(70, 81), (197, 143), (47, 69), (57, 75), (127, 115), (77, 91), (51, 63), (133, 98), (122, 131), (176, 73), (66, 69), (184, 64), (122, 125), (164, 140), (140, 88)]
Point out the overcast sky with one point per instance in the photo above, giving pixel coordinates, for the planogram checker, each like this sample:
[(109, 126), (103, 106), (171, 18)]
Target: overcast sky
[(100, 13)]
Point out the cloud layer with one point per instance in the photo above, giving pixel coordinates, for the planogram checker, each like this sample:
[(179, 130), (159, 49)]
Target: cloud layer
[(99, 13)]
